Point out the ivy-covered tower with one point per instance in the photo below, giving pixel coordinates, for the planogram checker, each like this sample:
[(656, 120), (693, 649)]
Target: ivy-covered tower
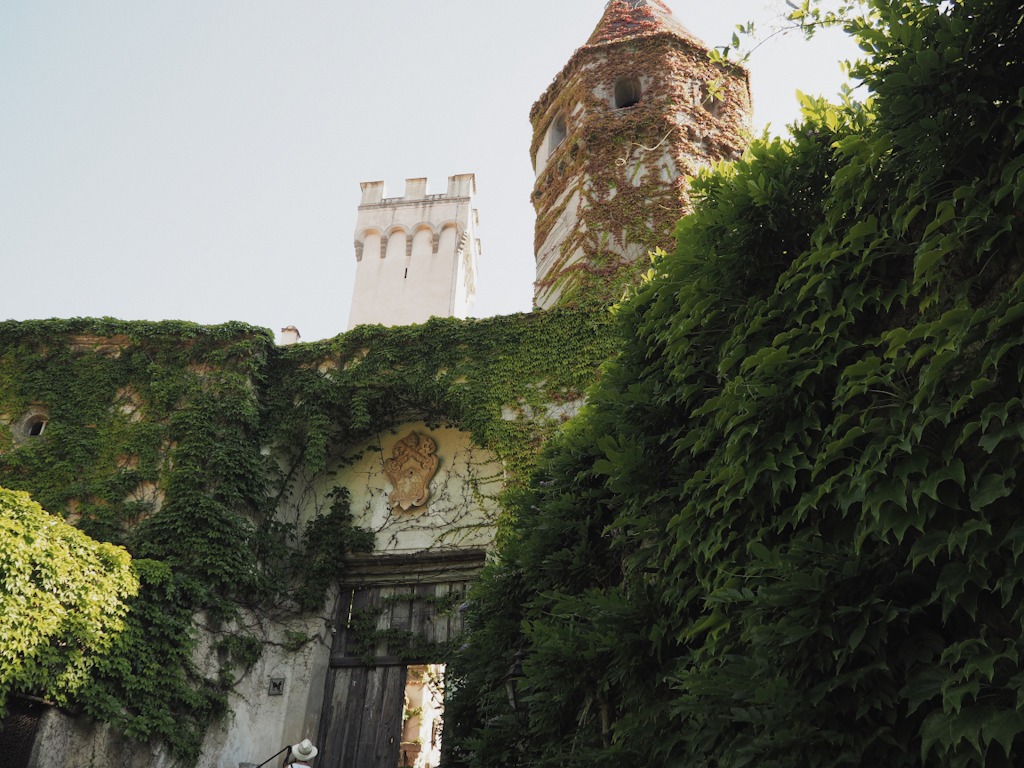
[(635, 112)]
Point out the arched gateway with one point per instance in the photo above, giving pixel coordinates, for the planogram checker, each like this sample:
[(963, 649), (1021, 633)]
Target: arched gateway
[(427, 494)]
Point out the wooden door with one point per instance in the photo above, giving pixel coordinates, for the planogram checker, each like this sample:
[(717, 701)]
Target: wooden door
[(381, 629), (364, 709)]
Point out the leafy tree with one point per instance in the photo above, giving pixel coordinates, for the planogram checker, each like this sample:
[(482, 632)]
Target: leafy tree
[(62, 601), (787, 529)]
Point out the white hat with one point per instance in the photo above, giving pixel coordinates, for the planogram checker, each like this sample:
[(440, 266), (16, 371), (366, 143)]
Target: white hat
[(304, 750)]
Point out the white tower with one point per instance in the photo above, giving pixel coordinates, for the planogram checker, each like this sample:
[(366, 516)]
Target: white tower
[(416, 255)]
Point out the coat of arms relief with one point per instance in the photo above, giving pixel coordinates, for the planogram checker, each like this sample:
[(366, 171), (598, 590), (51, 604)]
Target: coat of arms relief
[(410, 469)]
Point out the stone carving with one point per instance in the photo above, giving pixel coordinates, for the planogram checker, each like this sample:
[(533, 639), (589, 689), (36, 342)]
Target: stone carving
[(410, 469)]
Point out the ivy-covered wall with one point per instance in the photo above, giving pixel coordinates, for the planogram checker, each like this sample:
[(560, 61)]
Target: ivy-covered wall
[(194, 447)]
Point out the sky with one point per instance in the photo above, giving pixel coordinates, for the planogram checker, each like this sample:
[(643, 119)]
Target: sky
[(201, 159)]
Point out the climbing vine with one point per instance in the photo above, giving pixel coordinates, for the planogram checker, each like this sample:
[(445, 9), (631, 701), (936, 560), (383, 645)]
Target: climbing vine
[(367, 640), (787, 530), (150, 443), (184, 444), (62, 601)]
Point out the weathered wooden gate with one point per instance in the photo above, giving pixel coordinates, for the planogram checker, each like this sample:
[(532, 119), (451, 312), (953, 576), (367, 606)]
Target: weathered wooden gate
[(394, 611)]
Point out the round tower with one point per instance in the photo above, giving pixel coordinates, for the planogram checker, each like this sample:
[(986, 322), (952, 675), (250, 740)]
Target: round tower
[(635, 112)]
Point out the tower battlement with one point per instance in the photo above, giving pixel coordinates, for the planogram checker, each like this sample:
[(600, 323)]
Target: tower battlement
[(460, 186), (416, 254)]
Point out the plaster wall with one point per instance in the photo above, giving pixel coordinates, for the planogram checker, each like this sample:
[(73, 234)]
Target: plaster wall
[(459, 513), (63, 741), (278, 700), (262, 720), (549, 253)]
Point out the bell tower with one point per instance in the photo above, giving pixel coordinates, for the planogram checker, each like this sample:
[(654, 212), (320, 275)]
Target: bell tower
[(637, 110)]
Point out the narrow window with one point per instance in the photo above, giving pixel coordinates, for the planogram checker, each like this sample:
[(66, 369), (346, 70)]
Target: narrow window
[(35, 426), (556, 133), (627, 92)]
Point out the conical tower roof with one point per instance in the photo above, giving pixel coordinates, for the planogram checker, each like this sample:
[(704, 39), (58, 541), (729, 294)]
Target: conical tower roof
[(627, 19)]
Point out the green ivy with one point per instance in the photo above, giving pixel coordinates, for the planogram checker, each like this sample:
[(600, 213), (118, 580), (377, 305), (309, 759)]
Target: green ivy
[(787, 529), (497, 379), (329, 538), (189, 444), (63, 601)]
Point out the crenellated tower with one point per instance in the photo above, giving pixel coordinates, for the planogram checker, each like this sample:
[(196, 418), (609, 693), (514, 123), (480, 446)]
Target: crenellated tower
[(416, 255), (635, 112)]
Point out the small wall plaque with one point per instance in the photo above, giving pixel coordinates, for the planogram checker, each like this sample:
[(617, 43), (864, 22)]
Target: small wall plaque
[(276, 686)]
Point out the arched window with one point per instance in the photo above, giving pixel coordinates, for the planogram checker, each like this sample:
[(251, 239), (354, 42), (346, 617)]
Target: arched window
[(627, 92), (32, 424), (556, 133)]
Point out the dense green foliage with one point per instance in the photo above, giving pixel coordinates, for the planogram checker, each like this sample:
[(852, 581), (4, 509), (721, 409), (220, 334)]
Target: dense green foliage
[(151, 442), (787, 530), (495, 379), (196, 449), (62, 601)]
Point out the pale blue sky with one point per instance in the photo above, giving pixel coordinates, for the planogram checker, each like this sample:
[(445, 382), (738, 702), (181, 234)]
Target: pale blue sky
[(201, 159)]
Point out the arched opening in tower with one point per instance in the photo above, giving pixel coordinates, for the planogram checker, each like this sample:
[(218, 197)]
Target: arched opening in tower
[(627, 92)]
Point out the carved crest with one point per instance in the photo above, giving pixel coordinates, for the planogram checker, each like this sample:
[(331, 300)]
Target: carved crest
[(410, 469)]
